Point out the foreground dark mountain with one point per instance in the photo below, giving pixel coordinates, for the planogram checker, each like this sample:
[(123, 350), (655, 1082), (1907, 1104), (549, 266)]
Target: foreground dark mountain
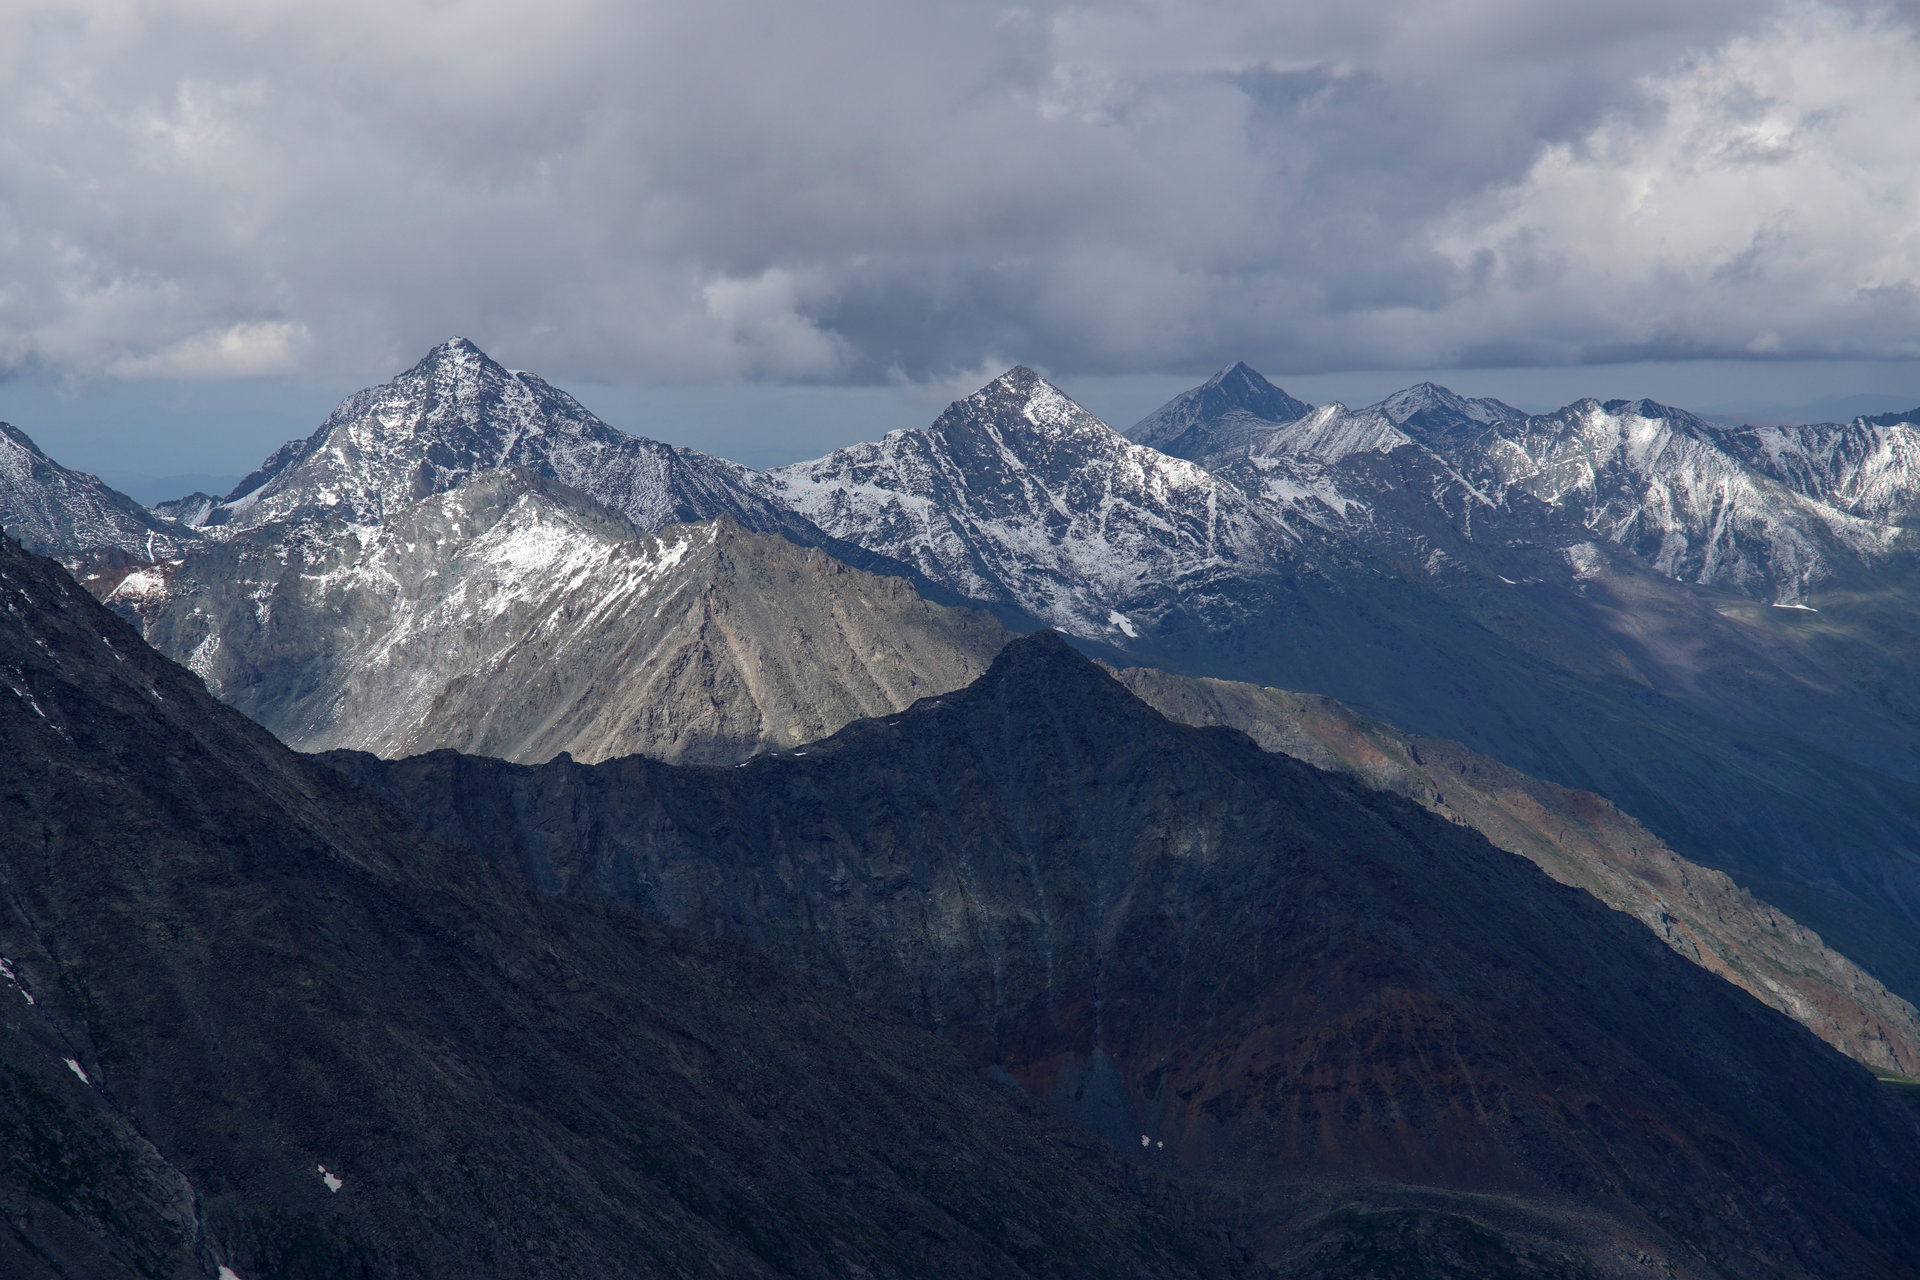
[(514, 617), (1259, 974), (252, 1022)]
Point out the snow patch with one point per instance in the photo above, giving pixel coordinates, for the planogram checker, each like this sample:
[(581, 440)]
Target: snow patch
[(75, 1068), (1117, 619), (332, 1181)]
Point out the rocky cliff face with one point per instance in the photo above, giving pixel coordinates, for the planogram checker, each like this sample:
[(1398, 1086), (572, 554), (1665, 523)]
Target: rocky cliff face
[(1578, 839), (517, 618), (253, 1024), (1238, 965)]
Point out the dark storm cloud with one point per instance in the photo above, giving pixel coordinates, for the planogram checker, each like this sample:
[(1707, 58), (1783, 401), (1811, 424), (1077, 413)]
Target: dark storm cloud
[(869, 191)]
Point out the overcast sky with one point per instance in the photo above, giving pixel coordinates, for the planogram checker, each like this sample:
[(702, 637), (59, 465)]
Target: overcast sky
[(766, 226)]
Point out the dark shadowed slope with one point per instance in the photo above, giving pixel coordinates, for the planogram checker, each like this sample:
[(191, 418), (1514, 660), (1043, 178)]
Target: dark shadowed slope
[(250, 1019), (1257, 973), (1579, 839), (1586, 596)]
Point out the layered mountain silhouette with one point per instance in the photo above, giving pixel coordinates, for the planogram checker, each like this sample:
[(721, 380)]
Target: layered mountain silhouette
[(1358, 1035), (1440, 563), (1453, 566), (1240, 966), (254, 1024)]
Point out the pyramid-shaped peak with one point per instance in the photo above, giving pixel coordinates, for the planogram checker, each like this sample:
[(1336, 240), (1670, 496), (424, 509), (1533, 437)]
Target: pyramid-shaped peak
[(1240, 386), (1652, 410), (1043, 669), (1022, 378), (1238, 373), (457, 355), (1423, 395)]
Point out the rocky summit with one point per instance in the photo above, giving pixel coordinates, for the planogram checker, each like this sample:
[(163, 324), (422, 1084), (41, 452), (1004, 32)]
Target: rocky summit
[(1244, 971), (1017, 496), (1219, 418), (457, 412)]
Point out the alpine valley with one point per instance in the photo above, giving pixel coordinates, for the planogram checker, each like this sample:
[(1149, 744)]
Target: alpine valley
[(1424, 840)]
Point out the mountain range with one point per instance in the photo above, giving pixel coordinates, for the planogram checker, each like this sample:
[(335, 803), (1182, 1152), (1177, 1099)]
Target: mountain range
[(1516, 583), (1668, 662), (1376, 556)]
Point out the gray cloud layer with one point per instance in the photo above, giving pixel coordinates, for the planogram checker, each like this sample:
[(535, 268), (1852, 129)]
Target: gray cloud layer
[(860, 191)]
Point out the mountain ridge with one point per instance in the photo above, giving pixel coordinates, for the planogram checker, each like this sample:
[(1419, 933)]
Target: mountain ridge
[(1175, 935)]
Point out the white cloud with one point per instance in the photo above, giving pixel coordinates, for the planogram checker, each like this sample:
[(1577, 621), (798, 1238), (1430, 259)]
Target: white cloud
[(1764, 200), (255, 349), (762, 318), (866, 190)]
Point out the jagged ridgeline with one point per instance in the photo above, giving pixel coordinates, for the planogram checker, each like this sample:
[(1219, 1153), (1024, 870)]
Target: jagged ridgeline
[(1444, 563), (1704, 624), (253, 1023), (515, 617)]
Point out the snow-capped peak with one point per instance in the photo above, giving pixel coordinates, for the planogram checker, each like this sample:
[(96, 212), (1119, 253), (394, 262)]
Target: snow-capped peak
[(457, 412), (1019, 496)]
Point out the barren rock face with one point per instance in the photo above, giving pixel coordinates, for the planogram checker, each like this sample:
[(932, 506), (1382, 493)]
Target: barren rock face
[(516, 618)]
